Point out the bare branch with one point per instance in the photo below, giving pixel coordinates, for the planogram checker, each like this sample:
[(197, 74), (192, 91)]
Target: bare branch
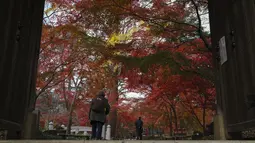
[(200, 31)]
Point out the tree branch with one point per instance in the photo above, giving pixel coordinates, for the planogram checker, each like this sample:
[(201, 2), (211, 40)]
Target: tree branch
[(200, 31)]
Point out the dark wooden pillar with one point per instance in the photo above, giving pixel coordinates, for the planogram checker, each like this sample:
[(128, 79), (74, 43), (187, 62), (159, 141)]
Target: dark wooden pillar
[(20, 42), (235, 19)]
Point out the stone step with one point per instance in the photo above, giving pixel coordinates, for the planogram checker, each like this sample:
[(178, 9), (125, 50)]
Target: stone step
[(126, 141)]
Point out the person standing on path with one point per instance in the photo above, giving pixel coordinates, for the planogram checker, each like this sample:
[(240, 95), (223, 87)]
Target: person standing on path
[(99, 109), (139, 128)]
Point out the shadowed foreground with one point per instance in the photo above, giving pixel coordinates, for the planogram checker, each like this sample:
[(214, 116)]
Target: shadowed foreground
[(121, 141)]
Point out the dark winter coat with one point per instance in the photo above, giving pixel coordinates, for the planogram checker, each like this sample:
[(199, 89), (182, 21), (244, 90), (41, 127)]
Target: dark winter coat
[(139, 125), (101, 117)]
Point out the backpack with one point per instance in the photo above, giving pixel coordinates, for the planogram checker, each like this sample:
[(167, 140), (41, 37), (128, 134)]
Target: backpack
[(98, 105)]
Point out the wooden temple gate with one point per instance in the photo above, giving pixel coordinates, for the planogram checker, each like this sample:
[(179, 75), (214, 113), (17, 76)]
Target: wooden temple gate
[(234, 20), (20, 42), (19, 51)]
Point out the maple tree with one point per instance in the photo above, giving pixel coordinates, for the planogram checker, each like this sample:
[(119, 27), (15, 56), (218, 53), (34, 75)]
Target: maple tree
[(61, 61), (158, 48)]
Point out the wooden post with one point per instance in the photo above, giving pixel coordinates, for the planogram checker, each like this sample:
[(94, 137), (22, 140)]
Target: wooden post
[(20, 43), (235, 81)]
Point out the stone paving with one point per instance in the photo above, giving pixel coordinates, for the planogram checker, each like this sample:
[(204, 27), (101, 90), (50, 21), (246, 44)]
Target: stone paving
[(126, 141)]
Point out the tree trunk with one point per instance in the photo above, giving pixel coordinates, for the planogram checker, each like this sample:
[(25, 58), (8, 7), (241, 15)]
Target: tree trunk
[(113, 113), (70, 118), (175, 116), (204, 116), (68, 130), (171, 122), (64, 94)]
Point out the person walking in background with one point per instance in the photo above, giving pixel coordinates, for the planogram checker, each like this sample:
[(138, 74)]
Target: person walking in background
[(99, 109), (139, 128)]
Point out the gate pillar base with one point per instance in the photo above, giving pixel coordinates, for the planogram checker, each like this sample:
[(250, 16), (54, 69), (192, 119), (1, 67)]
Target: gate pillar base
[(219, 128)]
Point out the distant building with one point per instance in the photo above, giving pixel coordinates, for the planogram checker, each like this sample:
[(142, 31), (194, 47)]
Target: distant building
[(82, 130)]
